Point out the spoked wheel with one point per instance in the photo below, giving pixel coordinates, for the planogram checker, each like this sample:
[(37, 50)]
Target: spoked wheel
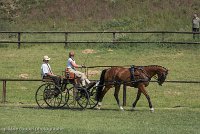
[(78, 98), (39, 96), (65, 93), (70, 98), (65, 97), (52, 95), (82, 98), (92, 98)]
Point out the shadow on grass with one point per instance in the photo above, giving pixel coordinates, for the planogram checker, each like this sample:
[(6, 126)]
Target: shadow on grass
[(50, 108), (139, 109), (62, 108), (66, 108)]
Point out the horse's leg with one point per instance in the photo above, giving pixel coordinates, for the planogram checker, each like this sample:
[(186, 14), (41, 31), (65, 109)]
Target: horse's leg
[(116, 94), (142, 89), (137, 98), (102, 95)]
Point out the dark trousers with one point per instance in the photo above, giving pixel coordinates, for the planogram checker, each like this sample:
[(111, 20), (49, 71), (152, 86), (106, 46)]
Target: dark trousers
[(194, 30), (56, 80)]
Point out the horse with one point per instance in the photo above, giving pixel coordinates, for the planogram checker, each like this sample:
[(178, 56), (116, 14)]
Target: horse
[(139, 78)]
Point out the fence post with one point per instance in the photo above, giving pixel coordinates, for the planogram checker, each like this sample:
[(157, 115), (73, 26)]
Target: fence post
[(163, 34), (19, 40), (66, 37), (124, 94), (114, 38), (4, 92)]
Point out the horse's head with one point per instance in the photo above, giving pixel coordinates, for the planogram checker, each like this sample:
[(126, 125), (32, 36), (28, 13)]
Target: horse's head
[(162, 74)]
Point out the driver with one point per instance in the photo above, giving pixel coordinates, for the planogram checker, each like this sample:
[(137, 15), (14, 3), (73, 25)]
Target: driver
[(71, 66)]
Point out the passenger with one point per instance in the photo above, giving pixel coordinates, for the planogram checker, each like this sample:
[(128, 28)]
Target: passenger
[(47, 73), (71, 66)]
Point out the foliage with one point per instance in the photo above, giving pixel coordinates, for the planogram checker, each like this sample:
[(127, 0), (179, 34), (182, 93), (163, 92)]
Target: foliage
[(8, 13), (87, 15)]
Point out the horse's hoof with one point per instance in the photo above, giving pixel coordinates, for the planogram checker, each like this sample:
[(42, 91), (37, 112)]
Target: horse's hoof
[(133, 109), (98, 108), (121, 108), (152, 110)]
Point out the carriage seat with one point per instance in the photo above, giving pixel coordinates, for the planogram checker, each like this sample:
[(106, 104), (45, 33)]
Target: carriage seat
[(69, 75), (47, 79)]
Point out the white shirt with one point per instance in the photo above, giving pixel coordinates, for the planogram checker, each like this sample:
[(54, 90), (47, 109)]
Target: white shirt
[(195, 22), (45, 68), (69, 65)]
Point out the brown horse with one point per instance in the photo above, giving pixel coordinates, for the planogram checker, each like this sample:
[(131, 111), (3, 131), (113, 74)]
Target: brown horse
[(115, 76)]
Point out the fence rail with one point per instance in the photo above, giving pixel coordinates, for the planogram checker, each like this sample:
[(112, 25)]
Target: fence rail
[(19, 38), (124, 87)]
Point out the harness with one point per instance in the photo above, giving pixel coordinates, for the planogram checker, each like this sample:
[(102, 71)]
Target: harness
[(133, 81), (132, 70)]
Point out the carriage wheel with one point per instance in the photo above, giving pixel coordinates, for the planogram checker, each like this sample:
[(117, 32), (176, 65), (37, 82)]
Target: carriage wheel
[(65, 97), (92, 98), (82, 98), (69, 99), (52, 95), (78, 97), (39, 96)]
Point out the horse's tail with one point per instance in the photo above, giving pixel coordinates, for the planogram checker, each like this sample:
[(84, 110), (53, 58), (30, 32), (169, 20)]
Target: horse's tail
[(100, 86)]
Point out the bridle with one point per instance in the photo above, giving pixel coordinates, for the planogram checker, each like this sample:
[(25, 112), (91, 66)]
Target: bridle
[(162, 77)]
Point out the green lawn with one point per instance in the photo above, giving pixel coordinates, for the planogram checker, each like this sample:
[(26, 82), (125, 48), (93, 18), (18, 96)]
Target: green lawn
[(177, 106), (175, 120)]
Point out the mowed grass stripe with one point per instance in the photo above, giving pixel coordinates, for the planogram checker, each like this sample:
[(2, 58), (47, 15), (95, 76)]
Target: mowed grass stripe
[(103, 121)]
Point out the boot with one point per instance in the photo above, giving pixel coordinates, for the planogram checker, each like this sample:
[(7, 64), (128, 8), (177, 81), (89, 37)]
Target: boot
[(90, 85)]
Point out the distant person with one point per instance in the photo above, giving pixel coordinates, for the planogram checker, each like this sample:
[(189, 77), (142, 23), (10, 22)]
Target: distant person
[(195, 26), (47, 73), (71, 66)]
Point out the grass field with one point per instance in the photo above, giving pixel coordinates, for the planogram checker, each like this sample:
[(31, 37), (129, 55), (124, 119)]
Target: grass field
[(179, 121), (177, 106)]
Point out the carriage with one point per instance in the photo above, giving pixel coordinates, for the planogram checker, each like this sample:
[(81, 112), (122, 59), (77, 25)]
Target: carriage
[(69, 94)]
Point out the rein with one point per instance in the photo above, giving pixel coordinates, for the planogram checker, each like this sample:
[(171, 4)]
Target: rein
[(123, 82)]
